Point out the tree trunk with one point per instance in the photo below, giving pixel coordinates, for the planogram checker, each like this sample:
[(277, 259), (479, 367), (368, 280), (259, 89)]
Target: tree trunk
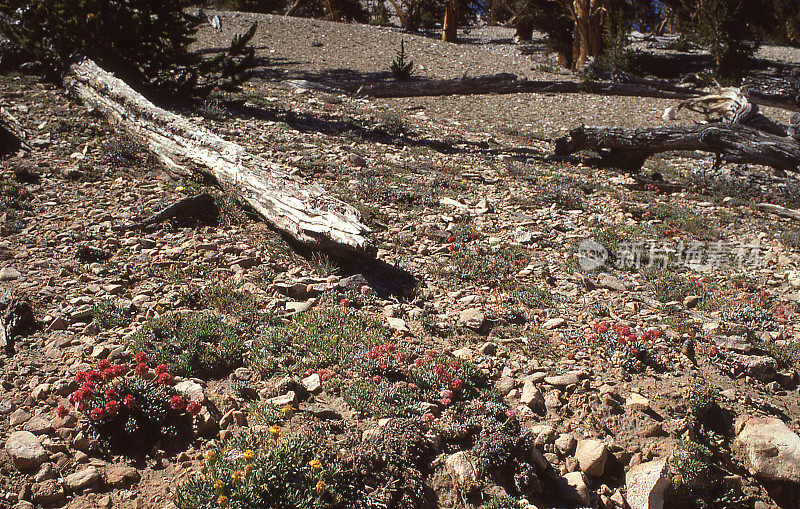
[(629, 148), (506, 83), (299, 209), (524, 30), (588, 41), (450, 25)]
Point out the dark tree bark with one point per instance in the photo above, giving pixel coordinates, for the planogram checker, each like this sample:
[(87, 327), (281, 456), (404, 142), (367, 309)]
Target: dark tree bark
[(629, 148)]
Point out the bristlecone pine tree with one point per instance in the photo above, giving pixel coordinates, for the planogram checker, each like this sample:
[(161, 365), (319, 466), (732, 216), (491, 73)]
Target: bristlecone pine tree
[(142, 41)]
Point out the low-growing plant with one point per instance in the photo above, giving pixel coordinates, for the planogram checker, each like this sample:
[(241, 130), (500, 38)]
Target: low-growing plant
[(131, 409), (702, 398), (223, 297), (693, 477), (109, 315), (320, 338), (620, 345), (191, 344), (502, 502), (478, 264), (264, 470)]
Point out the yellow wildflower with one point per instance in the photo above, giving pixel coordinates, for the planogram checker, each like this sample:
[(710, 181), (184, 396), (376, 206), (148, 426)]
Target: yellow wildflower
[(248, 468), (249, 454), (222, 501), (275, 430), (316, 465), (219, 485), (236, 476), (210, 455), (321, 486), (288, 411)]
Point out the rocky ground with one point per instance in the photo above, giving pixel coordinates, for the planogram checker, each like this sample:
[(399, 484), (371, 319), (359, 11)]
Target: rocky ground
[(474, 363)]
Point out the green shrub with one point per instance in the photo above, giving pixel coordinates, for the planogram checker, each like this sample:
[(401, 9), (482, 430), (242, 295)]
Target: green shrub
[(692, 474), (702, 399), (501, 502), (191, 344), (223, 297), (261, 470), (108, 315), (320, 338), (143, 42)]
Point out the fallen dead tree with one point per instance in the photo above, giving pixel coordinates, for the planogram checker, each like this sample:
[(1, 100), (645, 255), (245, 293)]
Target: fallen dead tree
[(299, 209), (735, 131), (506, 83)]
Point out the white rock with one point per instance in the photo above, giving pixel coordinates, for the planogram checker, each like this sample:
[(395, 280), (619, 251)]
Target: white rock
[(190, 390), (9, 274), (312, 382), (646, 484), (462, 471), (769, 449), (573, 488), (86, 478), (553, 323), (25, 450), (591, 455), (637, 402)]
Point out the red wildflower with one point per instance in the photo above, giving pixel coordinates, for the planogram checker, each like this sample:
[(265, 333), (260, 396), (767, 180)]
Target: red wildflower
[(112, 407), (177, 403), (93, 375), (164, 378), (446, 393), (103, 365), (445, 401), (80, 377), (400, 357), (128, 400), (451, 238), (376, 379), (140, 357), (108, 374), (366, 290), (62, 411), (429, 418), (140, 368), (510, 414), (603, 327), (345, 303), (457, 384), (160, 369), (455, 364), (78, 395), (193, 407), (96, 414), (439, 369), (111, 393)]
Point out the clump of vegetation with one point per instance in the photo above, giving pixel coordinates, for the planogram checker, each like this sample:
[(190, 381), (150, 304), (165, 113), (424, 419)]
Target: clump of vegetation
[(323, 264), (693, 475), (151, 53), (402, 69), (318, 339), (786, 353), (753, 316), (12, 203), (127, 409), (191, 344), (223, 297), (621, 345), (501, 502), (478, 264), (109, 315), (264, 470), (124, 151), (702, 399)]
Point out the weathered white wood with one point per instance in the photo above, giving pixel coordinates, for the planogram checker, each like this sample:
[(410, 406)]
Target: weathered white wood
[(298, 208), (779, 210)]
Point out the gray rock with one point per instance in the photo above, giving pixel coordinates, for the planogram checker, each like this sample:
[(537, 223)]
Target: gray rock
[(564, 380), (505, 385), (473, 319), (9, 274), (46, 471), (38, 425), (532, 396), (462, 471), (119, 476), (79, 481), (18, 416), (312, 383), (553, 323), (565, 443), (191, 390), (47, 492), (646, 484), (768, 448), (25, 450)]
